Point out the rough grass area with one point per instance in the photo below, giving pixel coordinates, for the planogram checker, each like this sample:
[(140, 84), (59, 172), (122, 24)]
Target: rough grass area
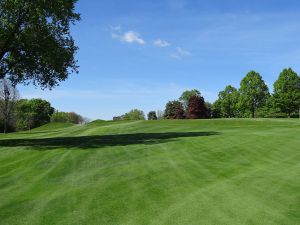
[(210, 172)]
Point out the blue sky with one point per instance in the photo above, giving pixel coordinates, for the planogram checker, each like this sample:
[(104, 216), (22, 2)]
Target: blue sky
[(141, 54)]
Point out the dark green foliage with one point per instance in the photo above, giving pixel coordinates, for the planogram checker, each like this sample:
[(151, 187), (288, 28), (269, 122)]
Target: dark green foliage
[(33, 113), (174, 110), (67, 117), (35, 41), (209, 109), (196, 108), (216, 109), (287, 92), (253, 92), (228, 102), (152, 115), (134, 114)]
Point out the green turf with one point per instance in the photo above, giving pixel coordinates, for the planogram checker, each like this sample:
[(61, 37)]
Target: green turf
[(153, 172)]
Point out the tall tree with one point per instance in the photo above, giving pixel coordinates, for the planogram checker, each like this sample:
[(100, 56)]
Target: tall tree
[(35, 41), (287, 92), (8, 98), (228, 100), (184, 98), (174, 110), (253, 92), (196, 108)]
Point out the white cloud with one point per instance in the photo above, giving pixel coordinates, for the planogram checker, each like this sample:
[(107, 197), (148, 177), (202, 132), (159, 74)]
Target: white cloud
[(161, 43), (129, 37), (180, 53)]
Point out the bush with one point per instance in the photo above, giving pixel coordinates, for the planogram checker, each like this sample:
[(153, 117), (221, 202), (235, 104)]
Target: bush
[(66, 117), (152, 115), (134, 114)]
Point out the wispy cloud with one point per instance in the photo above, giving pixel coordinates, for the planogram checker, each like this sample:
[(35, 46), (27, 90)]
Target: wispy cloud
[(116, 28), (128, 37), (132, 37), (161, 43), (180, 53)]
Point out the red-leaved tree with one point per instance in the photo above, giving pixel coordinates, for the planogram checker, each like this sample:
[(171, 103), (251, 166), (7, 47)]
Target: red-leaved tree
[(196, 108)]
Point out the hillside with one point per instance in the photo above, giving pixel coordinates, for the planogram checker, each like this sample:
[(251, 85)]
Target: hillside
[(240, 171)]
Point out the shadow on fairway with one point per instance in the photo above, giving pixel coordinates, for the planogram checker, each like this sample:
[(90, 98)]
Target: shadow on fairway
[(99, 141)]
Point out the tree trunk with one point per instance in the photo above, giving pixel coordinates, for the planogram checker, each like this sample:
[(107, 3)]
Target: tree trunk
[(5, 126)]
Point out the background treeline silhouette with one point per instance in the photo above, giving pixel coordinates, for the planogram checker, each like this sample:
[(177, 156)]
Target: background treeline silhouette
[(251, 99)]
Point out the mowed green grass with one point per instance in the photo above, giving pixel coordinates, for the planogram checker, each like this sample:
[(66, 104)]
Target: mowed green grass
[(221, 172)]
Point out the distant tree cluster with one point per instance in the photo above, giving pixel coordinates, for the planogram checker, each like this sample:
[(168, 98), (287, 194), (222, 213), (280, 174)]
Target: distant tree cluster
[(253, 98), (67, 117), (190, 105), (134, 114), (26, 114)]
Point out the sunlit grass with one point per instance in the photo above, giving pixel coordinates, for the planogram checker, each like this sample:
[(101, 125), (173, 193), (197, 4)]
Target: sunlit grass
[(153, 172)]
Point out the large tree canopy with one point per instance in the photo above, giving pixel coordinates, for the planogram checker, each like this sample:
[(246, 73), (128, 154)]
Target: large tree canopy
[(33, 113), (196, 108), (174, 110), (228, 100), (287, 91), (35, 41), (254, 92)]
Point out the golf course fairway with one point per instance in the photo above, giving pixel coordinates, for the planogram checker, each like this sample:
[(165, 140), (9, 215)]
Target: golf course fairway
[(208, 172)]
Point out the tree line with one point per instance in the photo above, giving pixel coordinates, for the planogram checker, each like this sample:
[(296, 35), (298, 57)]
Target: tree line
[(18, 114), (251, 99)]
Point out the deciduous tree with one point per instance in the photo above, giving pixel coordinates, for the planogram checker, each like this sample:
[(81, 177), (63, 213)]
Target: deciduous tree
[(228, 100), (287, 92), (253, 92), (33, 113), (35, 41), (196, 108), (174, 110)]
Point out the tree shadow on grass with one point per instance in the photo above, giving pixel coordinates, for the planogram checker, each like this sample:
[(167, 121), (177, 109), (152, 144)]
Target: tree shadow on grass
[(100, 141)]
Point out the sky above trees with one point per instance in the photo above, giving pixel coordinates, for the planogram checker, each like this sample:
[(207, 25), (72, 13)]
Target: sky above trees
[(141, 54)]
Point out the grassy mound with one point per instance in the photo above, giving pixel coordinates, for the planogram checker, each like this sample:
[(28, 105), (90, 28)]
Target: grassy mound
[(153, 172), (52, 126)]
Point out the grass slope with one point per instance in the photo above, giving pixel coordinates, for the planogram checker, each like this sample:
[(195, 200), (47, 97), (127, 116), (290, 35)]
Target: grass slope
[(153, 172)]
